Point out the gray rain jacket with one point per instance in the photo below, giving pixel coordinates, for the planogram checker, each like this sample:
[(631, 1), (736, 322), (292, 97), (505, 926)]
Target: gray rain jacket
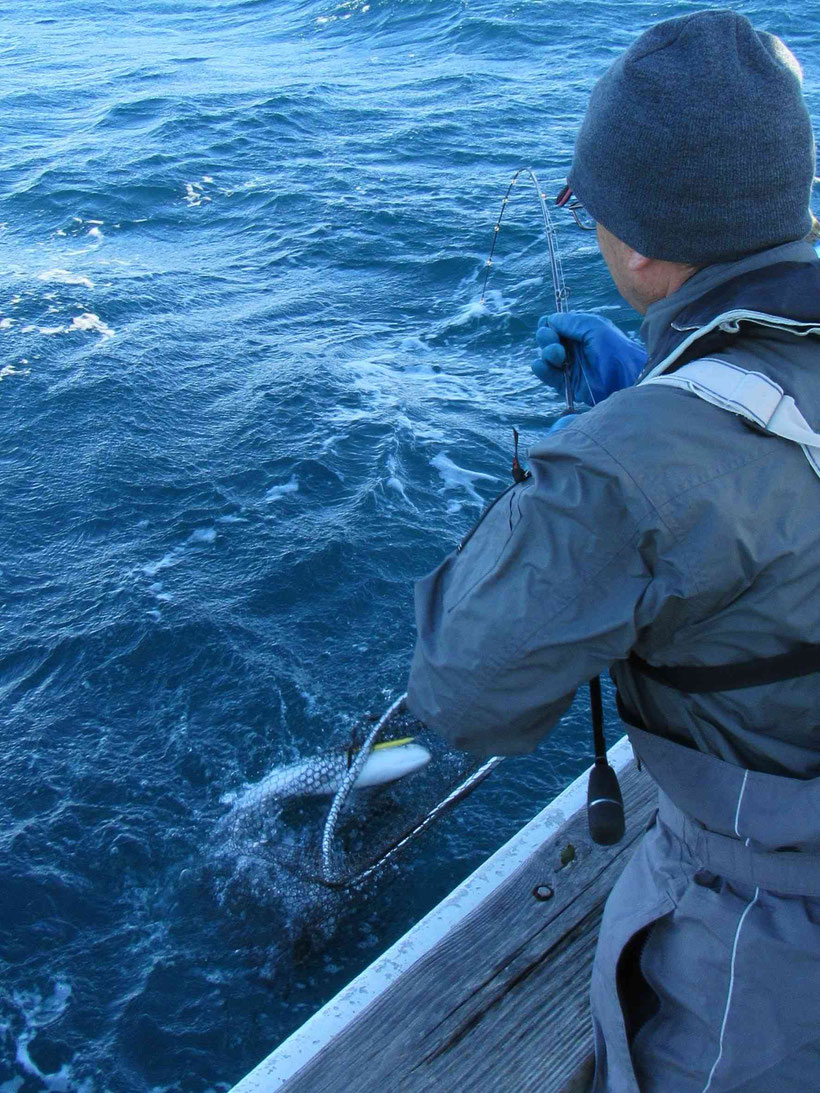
[(661, 524)]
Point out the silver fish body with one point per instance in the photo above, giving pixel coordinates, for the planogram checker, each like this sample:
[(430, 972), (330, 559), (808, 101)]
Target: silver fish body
[(322, 775)]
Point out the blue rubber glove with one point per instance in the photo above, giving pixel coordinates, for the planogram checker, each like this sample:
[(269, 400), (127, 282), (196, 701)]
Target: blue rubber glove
[(601, 359), (562, 422)]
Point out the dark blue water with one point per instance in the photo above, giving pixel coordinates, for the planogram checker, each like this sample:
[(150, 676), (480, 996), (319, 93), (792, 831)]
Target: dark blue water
[(248, 395)]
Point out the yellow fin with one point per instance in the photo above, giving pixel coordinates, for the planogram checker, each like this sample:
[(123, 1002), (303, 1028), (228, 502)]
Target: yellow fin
[(393, 743)]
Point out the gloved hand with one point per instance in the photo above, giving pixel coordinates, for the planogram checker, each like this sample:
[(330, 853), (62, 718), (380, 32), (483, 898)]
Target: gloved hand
[(562, 422), (601, 359)]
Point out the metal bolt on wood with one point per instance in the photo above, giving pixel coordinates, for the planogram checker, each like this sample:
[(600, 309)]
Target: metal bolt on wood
[(543, 892)]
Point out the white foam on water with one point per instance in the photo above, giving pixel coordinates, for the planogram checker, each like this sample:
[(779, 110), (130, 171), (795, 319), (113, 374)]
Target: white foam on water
[(460, 478), (194, 194), (397, 485), (10, 370), (39, 1013), (89, 321), (198, 537), (276, 493), (96, 233), (156, 590), (413, 341), (384, 379), (257, 183), (169, 559), (528, 282), (202, 535), (6, 324), (65, 277), (58, 1082), (468, 314), (493, 304)]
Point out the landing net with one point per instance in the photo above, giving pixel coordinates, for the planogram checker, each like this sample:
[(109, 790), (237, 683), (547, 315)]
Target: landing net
[(345, 840)]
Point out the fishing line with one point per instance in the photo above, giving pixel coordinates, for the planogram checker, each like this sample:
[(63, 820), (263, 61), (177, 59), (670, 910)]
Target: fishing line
[(605, 810), (332, 872)]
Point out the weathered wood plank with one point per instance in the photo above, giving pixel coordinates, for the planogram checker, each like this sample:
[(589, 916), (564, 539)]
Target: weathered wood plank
[(500, 1004)]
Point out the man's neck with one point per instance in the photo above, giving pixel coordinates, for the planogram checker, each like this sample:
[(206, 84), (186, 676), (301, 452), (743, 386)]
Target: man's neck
[(661, 313)]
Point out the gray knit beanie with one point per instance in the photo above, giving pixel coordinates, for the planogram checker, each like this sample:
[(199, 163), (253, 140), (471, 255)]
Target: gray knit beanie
[(697, 145)]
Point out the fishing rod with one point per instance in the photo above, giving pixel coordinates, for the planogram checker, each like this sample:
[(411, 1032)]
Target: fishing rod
[(559, 286), (605, 810), (605, 804), (329, 874)]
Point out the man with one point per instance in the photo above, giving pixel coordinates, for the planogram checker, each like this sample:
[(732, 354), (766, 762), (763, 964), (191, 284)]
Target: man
[(672, 535)]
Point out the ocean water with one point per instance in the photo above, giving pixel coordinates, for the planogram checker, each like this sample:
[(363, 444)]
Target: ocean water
[(248, 395)]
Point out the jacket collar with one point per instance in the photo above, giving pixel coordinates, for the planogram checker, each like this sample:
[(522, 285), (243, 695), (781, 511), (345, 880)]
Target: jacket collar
[(749, 284)]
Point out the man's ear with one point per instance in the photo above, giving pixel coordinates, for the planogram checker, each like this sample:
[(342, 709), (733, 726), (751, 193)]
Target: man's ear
[(636, 262)]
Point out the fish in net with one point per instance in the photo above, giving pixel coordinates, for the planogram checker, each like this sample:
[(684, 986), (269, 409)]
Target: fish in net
[(336, 818)]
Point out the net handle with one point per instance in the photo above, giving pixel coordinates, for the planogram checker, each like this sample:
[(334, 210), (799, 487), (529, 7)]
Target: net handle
[(453, 797)]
